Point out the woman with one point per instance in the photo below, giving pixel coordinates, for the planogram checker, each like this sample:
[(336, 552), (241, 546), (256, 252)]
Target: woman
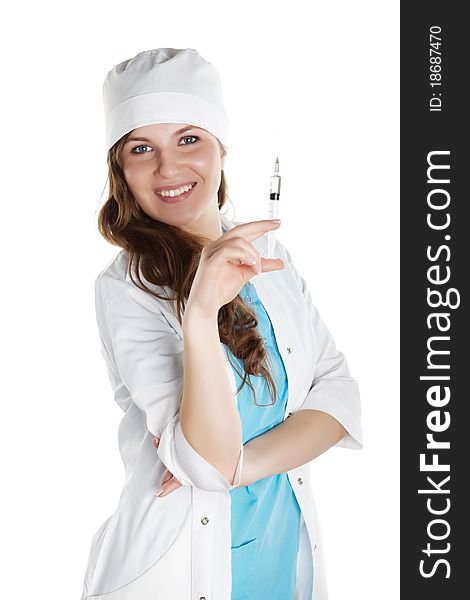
[(210, 348)]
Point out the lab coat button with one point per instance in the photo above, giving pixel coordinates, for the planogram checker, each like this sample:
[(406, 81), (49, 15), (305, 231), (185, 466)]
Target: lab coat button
[(288, 350), (204, 520), (299, 479), (314, 547)]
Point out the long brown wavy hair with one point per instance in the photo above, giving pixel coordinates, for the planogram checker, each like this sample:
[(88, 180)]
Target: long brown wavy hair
[(168, 256)]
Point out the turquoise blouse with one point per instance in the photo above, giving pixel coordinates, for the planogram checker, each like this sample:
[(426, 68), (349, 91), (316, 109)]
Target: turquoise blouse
[(265, 516)]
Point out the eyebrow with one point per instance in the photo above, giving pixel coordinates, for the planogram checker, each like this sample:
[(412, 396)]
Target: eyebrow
[(144, 139)]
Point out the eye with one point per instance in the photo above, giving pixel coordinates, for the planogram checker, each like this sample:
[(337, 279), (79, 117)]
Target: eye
[(189, 136), (134, 150), (141, 146)]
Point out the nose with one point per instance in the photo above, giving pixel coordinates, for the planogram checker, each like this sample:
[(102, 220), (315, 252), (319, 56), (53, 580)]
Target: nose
[(167, 163)]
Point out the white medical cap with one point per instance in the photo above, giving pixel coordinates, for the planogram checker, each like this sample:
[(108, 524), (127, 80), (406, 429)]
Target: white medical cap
[(164, 85)]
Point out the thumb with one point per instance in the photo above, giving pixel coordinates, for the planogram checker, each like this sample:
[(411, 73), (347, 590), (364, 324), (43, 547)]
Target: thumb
[(271, 264)]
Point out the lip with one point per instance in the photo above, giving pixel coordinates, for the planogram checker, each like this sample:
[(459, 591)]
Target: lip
[(173, 187), (175, 199)]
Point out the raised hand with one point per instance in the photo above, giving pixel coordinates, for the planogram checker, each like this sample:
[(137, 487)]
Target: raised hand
[(226, 264)]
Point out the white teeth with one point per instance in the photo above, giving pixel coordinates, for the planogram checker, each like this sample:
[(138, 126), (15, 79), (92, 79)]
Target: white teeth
[(176, 192)]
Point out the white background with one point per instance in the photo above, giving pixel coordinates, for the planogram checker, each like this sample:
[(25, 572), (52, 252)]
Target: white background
[(313, 82)]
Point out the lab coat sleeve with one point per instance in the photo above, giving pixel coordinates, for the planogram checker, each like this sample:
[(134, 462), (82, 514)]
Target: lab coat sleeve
[(146, 354), (333, 390)]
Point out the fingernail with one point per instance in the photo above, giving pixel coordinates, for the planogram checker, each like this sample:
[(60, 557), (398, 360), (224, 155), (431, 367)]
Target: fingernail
[(275, 220), (159, 492)]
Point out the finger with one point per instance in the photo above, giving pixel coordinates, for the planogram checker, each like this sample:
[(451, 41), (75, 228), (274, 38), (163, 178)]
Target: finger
[(265, 265), (237, 252), (271, 264), (251, 267), (252, 230), (254, 261), (156, 442), (167, 475), (172, 485)]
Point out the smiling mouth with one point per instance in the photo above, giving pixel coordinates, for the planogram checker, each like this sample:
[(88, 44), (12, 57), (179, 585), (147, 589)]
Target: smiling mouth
[(173, 192), (171, 197)]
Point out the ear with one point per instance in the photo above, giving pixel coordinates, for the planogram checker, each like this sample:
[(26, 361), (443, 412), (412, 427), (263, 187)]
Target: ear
[(223, 154)]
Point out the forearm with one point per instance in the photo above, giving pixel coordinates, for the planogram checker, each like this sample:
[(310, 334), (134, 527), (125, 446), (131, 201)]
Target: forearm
[(295, 442), (209, 416)]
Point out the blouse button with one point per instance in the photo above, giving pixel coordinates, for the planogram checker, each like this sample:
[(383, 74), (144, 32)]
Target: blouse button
[(204, 520), (299, 479), (288, 350)]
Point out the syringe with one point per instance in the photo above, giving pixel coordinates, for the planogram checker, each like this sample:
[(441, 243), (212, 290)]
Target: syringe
[(273, 210)]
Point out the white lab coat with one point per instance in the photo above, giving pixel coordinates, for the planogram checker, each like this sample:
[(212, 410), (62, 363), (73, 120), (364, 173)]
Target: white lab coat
[(142, 343)]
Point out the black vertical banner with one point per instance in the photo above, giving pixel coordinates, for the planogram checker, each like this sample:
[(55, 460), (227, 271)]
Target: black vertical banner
[(435, 269)]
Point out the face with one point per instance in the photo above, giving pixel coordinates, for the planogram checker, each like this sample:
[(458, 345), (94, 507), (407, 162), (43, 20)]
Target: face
[(161, 157)]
